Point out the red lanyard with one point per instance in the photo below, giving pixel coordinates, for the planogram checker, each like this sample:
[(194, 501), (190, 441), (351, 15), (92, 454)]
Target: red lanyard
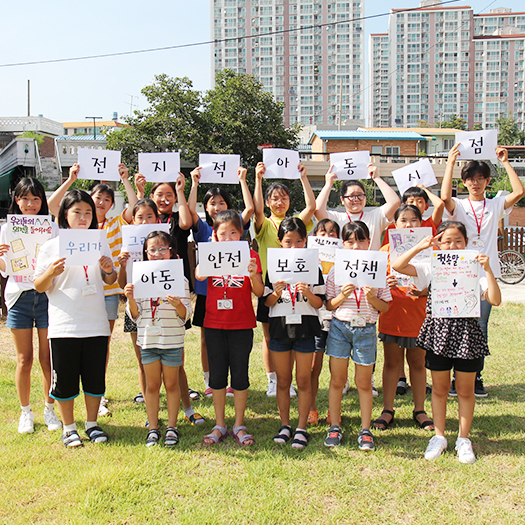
[(350, 218), (478, 224), (225, 284), (273, 222), (293, 296), (86, 272), (154, 305), (102, 227), (168, 221), (358, 301)]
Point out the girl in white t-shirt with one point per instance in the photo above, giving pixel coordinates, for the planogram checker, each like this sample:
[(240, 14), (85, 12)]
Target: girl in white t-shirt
[(28, 308), (78, 322)]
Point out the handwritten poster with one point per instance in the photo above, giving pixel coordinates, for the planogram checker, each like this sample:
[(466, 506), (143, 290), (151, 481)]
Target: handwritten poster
[(420, 172), (223, 258), (25, 234), (293, 265), (219, 169), (455, 284), (361, 268), (81, 247), (477, 145), (281, 163), (98, 164), (152, 279), (327, 247), (160, 166), (351, 165)]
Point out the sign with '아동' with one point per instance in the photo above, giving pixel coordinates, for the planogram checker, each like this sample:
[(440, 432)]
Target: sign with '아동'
[(158, 278)]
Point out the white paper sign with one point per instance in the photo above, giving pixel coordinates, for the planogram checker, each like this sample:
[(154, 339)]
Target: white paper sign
[(98, 164), (160, 167), (455, 284), (293, 265), (223, 258), (25, 234), (351, 165), (327, 247), (281, 163), (219, 169), (361, 268), (152, 279), (420, 172), (477, 145), (81, 247)]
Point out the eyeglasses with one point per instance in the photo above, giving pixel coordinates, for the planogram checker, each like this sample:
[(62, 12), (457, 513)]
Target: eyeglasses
[(360, 197), (275, 200), (154, 251)]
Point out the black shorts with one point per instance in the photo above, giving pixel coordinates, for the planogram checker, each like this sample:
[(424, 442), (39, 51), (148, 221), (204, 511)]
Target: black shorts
[(200, 310), (130, 326), (229, 350), (74, 358), (263, 311), (439, 363)]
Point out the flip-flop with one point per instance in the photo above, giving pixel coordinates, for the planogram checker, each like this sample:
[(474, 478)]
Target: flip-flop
[(212, 438), (242, 439)]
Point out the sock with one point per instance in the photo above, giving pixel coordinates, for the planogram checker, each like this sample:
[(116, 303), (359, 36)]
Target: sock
[(49, 407), (189, 411), (272, 376), (206, 379), (70, 428), (300, 429), (90, 424), (26, 409)]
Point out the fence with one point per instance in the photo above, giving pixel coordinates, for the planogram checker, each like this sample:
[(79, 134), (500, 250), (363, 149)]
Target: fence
[(512, 239)]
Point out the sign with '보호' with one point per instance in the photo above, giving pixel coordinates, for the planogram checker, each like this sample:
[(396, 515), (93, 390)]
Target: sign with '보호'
[(420, 172), (159, 278), (293, 265), (223, 258), (281, 163), (160, 166), (81, 248), (98, 164), (351, 165), (219, 169), (477, 145), (361, 268)]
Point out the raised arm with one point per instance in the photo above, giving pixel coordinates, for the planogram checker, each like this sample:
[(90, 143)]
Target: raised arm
[(258, 198), (324, 195), (309, 197), (249, 207), (192, 197), (402, 263), (54, 201), (439, 205), (518, 191), (392, 200), (140, 184), (130, 192), (492, 293), (446, 185), (185, 220)]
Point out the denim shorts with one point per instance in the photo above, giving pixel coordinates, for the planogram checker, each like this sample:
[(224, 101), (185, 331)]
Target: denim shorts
[(112, 306), (359, 343), (303, 346), (167, 356), (29, 310)]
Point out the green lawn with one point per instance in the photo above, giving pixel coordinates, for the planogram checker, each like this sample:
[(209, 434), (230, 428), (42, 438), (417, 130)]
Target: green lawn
[(124, 482)]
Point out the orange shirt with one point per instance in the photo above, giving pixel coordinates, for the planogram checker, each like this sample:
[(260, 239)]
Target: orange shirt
[(428, 223)]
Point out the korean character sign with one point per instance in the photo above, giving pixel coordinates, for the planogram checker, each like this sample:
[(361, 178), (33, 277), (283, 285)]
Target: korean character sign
[(223, 258), (477, 145), (327, 247), (98, 164), (351, 165), (361, 268), (25, 234), (455, 284), (219, 169), (160, 166), (419, 172), (293, 265), (81, 248), (152, 279), (281, 163)]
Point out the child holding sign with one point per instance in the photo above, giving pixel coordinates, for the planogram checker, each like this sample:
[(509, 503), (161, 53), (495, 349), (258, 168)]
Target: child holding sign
[(451, 342), (228, 328), (353, 335), (294, 323), (78, 322), (27, 308), (160, 336)]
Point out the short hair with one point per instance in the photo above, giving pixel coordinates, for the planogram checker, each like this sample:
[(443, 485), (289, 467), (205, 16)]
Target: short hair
[(321, 226), (69, 201), (453, 224), (292, 224), (358, 228), (473, 168), (415, 192), (144, 203), (276, 186), (348, 183), (226, 216), (214, 192), (166, 237), (104, 188), (25, 186), (407, 207)]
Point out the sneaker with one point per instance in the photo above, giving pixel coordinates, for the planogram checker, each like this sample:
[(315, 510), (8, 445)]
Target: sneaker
[(208, 392), (365, 440), (293, 393), (139, 398), (402, 386), (272, 389), (464, 450), (452, 392), (334, 437), (229, 392), (193, 394), (103, 401), (103, 410), (436, 446), (479, 389), (51, 420), (71, 439), (346, 388), (375, 393), (26, 423), (153, 437)]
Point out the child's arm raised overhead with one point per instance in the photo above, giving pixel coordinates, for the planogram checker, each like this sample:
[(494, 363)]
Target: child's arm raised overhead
[(518, 191), (140, 184), (192, 197), (446, 184), (132, 196), (309, 197), (255, 278), (492, 293), (258, 198), (439, 205), (324, 195), (54, 201), (392, 200), (249, 207), (185, 219), (132, 304), (402, 263), (44, 281)]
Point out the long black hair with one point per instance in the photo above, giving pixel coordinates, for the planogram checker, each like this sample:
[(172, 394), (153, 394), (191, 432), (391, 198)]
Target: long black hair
[(214, 192), (25, 186)]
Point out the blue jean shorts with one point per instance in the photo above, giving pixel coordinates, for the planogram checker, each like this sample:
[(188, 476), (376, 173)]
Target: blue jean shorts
[(167, 356), (355, 342), (112, 306), (303, 346), (29, 310)]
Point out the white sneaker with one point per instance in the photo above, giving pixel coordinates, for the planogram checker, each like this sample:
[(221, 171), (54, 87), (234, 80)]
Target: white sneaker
[(375, 393), (436, 446), (464, 450), (293, 393), (26, 425), (51, 420), (346, 387), (272, 389), (103, 410), (103, 401)]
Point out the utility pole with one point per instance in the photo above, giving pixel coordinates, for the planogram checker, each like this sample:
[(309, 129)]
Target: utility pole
[(29, 98), (340, 105), (131, 105), (94, 126)]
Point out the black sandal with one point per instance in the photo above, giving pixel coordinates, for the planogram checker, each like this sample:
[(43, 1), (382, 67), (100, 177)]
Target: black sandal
[(426, 424), (380, 421), (284, 435)]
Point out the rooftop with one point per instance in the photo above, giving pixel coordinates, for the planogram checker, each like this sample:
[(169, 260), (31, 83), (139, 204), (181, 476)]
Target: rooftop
[(364, 134)]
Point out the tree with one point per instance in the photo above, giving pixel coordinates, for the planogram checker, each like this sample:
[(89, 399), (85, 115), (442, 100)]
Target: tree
[(509, 133), (477, 127), (454, 122)]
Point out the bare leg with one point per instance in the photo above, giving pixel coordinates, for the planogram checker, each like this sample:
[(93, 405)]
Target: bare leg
[(23, 339), (317, 366), (44, 356), (142, 376), (303, 376), (440, 390), (466, 401), (338, 377), (266, 353), (393, 362), (183, 383), (219, 403), (418, 378), (92, 404), (283, 362), (151, 395), (170, 375), (363, 379), (66, 409)]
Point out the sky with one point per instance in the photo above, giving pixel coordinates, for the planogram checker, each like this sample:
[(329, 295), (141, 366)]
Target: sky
[(71, 91)]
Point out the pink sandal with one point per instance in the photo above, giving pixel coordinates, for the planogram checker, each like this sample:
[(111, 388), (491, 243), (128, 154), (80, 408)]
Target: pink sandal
[(242, 439), (213, 439)]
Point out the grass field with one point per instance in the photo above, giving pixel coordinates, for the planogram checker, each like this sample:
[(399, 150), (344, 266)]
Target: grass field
[(124, 482)]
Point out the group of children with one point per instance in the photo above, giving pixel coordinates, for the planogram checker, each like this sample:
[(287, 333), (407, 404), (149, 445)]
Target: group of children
[(300, 321)]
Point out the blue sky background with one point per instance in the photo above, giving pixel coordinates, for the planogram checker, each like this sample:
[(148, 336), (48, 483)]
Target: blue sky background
[(70, 91)]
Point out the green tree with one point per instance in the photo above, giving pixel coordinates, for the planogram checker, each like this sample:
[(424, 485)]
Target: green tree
[(454, 122), (32, 135), (509, 133), (477, 127)]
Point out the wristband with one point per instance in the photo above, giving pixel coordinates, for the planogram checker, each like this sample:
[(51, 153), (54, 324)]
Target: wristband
[(110, 273)]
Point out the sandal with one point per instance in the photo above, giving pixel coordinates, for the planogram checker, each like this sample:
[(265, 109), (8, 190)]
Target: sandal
[(96, 435), (172, 437), (139, 398), (313, 417), (193, 394), (71, 439), (284, 435), (300, 439), (426, 425), (243, 439), (153, 437), (213, 439), (385, 424), (195, 419)]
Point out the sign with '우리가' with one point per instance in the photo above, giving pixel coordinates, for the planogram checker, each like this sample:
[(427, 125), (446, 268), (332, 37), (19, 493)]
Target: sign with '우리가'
[(419, 172), (219, 169), (351, 165), (281, 163), (81, 248), (160, 166), (98, 164)]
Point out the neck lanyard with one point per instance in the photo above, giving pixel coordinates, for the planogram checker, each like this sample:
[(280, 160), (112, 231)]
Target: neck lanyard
[(86, 273), (293, 296), (225, 280), (102, 227), (273, 222), (154, 305), (358, 301), (168, 221), (350, 218), (478, 224)]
